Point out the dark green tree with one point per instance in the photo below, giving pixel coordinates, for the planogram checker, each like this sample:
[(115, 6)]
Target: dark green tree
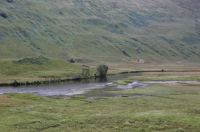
[(102, 71)]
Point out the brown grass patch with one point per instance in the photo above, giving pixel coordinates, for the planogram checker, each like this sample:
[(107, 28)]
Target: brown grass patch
[(5, 101)]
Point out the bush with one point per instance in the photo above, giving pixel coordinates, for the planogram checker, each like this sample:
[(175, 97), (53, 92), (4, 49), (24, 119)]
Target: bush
[(3, 14), (33, 60), (102, 71), (72, 61), (10, 1), (85, 71)]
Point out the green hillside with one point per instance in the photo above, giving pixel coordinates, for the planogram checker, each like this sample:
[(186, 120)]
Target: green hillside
[(103, 30)]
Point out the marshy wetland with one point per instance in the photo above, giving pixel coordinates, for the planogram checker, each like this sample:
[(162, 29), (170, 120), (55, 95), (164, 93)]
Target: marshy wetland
[(171, 106)]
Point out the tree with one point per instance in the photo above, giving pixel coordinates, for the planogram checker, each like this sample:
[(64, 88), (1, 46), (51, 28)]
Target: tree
[(102, 71)]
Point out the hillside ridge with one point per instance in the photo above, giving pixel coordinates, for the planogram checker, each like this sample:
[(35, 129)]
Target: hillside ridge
[(101, 30)]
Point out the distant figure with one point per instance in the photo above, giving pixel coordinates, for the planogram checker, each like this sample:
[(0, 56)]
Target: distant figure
[(163, 70)]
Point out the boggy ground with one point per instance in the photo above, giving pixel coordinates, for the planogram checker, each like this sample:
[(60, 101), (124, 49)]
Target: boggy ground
[(158, 107)]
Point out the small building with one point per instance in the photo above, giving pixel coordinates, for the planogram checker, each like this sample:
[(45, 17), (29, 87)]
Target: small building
[(140, 61)]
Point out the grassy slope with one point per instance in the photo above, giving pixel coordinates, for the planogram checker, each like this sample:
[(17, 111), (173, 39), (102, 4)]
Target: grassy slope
[(101, 29), (172, 108), (50, 69)]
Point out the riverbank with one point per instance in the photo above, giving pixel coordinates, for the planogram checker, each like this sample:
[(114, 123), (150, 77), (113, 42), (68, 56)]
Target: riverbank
[(42, 70), (156, 77)]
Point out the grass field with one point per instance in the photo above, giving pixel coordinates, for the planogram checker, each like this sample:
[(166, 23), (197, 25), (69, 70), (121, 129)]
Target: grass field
[(36, 69), (166, 107), (168, 76)]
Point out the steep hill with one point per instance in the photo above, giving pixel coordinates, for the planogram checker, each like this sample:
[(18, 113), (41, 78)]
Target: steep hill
[(107, 30)]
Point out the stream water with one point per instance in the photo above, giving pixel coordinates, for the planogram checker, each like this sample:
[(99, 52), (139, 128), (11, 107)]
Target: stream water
[(81, 87), (66, 88)]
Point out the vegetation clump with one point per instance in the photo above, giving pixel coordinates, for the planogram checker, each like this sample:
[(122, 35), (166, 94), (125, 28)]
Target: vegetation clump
[(102, 71), (33, 60), (3, 14), (10, 1), (72, 60), (85, 71)]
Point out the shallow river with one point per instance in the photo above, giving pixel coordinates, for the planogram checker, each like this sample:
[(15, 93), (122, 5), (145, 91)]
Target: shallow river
[(66, 88), (76, 87)]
